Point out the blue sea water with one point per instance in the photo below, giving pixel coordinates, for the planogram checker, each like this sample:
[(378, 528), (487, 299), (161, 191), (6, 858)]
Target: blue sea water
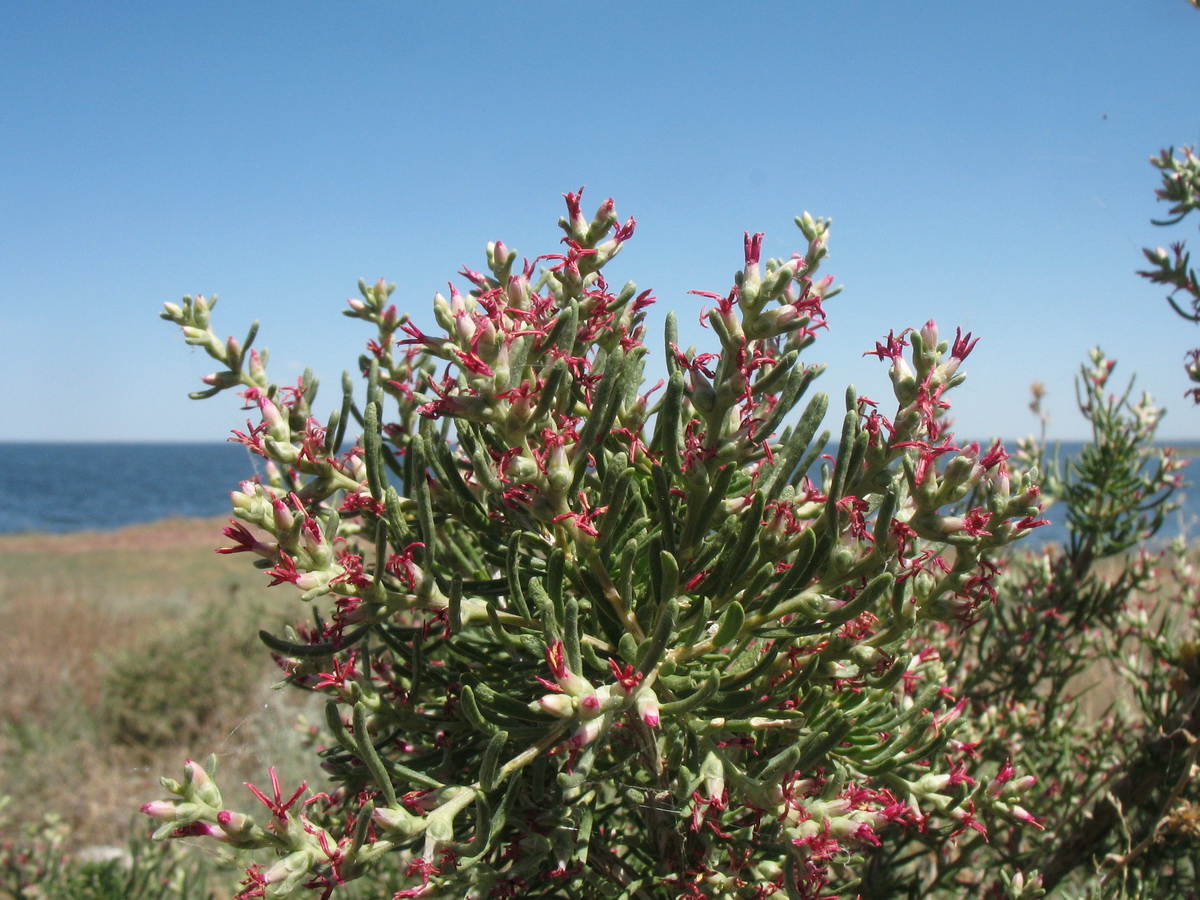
[(78, 487)]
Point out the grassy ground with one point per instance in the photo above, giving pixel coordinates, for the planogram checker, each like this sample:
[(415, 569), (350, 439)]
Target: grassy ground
[(122, 653)]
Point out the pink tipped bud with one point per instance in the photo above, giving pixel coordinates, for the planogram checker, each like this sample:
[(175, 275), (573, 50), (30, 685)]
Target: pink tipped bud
[(220, 379), (497, 254), (518, 292), (1001, 487), (466, 328), (588, 731), (647, 707), (249, 498), (1023, 815), (558, 468), (1024, 783), (204, 789), (257, 365), (606, 211), (283, 516), (194, 773), (315, 544), (558, 705), (163, 810), (270, 412), (234, 824)]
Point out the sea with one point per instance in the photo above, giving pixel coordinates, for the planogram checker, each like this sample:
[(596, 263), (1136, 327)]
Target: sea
[(65, 487)]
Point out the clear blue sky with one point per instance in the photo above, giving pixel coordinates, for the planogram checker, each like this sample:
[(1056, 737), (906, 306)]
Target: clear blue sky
[(984, 164)]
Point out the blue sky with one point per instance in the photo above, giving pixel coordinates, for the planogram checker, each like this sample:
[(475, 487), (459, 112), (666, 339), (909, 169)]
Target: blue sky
[(984, 165)]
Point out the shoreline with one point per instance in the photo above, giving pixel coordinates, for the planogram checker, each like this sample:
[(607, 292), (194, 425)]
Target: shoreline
[(173, 532)]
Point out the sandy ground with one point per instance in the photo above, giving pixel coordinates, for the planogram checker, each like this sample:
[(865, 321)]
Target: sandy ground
[(167, 534)]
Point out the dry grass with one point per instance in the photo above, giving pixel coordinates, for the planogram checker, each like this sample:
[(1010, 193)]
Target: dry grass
[(81, 613)]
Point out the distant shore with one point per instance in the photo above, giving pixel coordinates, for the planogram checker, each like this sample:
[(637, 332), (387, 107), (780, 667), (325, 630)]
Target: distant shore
[(172, 533)]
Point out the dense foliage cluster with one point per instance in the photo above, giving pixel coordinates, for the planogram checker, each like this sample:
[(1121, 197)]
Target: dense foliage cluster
[(576, 635)]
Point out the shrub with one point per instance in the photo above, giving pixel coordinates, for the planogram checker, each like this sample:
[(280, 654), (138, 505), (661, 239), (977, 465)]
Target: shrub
[(175, 684), (576, 635)]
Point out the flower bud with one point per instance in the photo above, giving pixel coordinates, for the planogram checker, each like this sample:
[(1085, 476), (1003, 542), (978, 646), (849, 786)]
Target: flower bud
[(251, 500), (778, 280), (518, 292), (521, 468), (290, 869), (713, 773), (497, 256), (904, 381), (932, 783), (398, 820), (704, 398), (443, 314), (558, 469), (1023, 815), (575, 685), (606, 698), (1000, 486), (647, 706), (235, 825), (558, 705), (1158, 256), (163, 810), (588, 731), (283, 517), (315, 545), (220, 379), (962, 473), (202, 786)]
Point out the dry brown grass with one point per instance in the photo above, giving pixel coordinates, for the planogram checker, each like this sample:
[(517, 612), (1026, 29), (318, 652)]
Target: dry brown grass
[(75, 606)]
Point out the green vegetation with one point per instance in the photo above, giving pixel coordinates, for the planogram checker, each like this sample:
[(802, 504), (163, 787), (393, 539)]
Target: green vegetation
[(123, 652)]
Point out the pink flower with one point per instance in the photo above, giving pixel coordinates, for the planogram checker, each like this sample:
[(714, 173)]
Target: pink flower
[(245, 542), (278, 807), (892, 348), (625, 675), (959, 350)]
